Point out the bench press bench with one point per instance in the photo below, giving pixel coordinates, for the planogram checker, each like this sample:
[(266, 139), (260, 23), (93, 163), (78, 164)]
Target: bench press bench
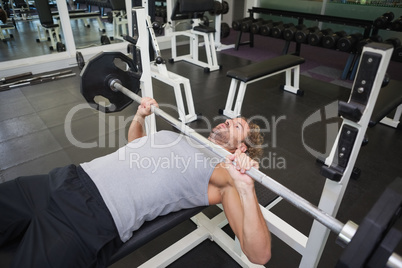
[(258, 71)]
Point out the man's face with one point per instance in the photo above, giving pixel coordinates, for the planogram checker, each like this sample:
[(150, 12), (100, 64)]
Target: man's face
[(230, 134)]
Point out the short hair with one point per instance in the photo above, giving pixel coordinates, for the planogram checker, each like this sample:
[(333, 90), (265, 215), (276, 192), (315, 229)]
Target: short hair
[(253, 141)]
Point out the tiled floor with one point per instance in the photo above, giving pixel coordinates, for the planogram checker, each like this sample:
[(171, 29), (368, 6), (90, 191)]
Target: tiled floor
[(35, 137)]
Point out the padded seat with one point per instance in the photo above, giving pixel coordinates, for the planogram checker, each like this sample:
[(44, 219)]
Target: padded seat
[(254, 72), (204, 29), (259, 69), (150, 230), (389, 98)]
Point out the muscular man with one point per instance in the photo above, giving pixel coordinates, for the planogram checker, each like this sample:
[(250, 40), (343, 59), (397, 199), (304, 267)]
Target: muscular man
[(79, 216)]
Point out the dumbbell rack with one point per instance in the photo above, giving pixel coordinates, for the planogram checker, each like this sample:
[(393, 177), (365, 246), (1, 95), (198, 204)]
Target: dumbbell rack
[(366, 25)]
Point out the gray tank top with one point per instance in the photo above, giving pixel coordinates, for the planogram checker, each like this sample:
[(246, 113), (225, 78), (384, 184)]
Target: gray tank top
[(152, 176)]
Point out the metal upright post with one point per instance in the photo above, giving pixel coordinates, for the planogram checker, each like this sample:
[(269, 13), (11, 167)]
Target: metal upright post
[(356, 114)]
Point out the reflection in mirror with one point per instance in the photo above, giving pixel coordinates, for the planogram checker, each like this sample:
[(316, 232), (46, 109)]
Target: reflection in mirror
[(102, 23), (33, 28)]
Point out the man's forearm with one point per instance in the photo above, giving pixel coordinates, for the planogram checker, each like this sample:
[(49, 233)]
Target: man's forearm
[(136, 129), (256, 236)]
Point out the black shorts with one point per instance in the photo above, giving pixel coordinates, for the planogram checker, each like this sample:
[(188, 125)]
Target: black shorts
[(60, 218)]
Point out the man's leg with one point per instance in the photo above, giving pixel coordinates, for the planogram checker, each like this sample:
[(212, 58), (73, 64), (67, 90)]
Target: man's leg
[(75, 229), (20, 199), (51, 242)]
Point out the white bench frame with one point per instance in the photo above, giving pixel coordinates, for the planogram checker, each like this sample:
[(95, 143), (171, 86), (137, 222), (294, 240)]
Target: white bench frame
[(236, 111), (160, 72), (5, 27), (393, 122), (208, 39)]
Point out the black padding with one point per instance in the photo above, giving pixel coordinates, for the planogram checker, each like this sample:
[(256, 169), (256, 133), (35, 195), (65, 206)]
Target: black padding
[(152, 229), (45, 14), (204, 29), (388, 99), (84, 15), (352, 111), (264, 195), (259, 69), (188, 6), (118, 4)]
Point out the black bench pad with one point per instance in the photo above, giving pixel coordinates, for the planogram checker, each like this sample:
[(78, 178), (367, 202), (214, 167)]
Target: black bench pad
[(388, 99), (204, 29), (259, 69), (152, 229)]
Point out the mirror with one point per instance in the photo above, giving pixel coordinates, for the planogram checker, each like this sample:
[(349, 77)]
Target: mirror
[(98, 22), (25, 36)]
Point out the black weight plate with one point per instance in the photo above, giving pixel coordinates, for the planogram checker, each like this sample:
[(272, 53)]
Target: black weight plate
[(80, 60), (373, 228), (96, 75)]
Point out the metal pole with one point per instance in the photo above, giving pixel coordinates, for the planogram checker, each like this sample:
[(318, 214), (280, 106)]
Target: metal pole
[(296, 200)]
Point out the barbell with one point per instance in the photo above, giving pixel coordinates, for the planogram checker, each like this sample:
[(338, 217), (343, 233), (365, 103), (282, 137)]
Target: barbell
[(105, 74)]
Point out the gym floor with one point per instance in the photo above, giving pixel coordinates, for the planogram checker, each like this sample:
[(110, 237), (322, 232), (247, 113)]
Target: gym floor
[(33, 139)]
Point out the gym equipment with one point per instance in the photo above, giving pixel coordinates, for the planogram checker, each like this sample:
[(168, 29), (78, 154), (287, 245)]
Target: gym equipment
[(236, 24), (118, 17), (389, 99), (52, 30), (375, 239), (80, 60), (258, 71), (397, 56), (6, 35), (363, 42), (179, 83), (394, 41), (109, 64), (245, 26), (189, 7), (225, 7), (397, 24), (289, 32), (256, 26), (217, 9), (225, 30), (315, 39), (14, 77), (384, 21), (330, 40), (104, 40), (301, 36), (349, 43), (277, 30), (266, 28), (373, 60), (37, 80)]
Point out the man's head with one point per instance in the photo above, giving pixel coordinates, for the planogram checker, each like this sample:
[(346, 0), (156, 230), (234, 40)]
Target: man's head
[(237, 133)]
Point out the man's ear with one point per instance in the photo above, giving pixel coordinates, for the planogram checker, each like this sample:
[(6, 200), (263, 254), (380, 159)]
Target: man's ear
[(243, 147)]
